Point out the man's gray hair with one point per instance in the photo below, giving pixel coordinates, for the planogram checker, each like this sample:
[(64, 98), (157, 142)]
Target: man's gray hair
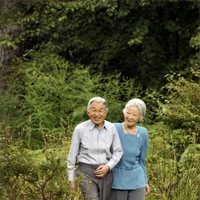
[(137, 103), (98, 100)]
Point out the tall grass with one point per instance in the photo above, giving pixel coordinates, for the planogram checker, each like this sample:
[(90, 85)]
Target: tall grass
[(169, 177), (35, 174)]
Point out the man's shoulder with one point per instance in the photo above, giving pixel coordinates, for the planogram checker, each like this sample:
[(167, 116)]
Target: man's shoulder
[(108, 123), (82, 124)]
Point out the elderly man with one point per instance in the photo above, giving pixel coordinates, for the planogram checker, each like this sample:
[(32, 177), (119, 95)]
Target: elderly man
[(96, 148)]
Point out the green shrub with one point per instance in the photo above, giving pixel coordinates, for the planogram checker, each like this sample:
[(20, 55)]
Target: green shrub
[(168, 177), (181, 107), (35, 174), (52, 94)]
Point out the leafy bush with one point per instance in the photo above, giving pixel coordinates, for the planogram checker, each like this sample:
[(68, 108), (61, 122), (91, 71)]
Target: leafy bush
[(181, 108), (169, 178), (190, 158), (34, 174), (51, 96)]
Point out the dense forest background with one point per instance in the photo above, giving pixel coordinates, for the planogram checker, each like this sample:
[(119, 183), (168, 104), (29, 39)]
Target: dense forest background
[(57, 54)]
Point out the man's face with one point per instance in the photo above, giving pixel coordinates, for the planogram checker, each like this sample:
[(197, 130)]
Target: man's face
[(97, 113)]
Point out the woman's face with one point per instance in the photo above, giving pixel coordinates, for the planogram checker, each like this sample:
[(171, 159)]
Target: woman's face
[(132, 116), (97, 113)]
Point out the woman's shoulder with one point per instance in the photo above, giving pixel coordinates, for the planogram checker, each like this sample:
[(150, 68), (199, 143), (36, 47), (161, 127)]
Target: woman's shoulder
[(142, 130), (117, 124)]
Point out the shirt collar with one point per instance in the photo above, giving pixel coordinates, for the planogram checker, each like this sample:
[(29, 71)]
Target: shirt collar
[(92, 125)]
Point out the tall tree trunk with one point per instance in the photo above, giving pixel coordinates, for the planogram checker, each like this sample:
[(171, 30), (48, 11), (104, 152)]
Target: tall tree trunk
[(6, 54), (6, 32)]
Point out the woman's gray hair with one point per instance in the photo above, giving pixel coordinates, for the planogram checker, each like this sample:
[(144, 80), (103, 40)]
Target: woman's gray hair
[(139, 104), (98, 100)]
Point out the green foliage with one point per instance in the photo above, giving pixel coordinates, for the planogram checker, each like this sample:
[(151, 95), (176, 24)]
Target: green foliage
[(140, 39), (161, 163), (6, 43), (54, 94), (195, 40), (188, 187), (117, 91), (65, 50), (189, 173), (41, 174), (190, 158), (51, 96), (7, 106), (34, 174), (181, 109), (168, 177)]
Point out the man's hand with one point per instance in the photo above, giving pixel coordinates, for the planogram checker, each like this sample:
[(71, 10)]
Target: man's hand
[(101, 171), (73, 186)]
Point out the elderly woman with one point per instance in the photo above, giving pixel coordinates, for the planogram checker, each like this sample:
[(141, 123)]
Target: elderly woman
[(130, 179)]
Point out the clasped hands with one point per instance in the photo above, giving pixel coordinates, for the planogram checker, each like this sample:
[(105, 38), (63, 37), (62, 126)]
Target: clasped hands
[(101, 171)]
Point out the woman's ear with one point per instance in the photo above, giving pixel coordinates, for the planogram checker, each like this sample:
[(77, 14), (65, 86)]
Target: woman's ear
[(141, 119)]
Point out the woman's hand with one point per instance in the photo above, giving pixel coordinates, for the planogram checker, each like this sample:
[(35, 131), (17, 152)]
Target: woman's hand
[(147, 189)]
